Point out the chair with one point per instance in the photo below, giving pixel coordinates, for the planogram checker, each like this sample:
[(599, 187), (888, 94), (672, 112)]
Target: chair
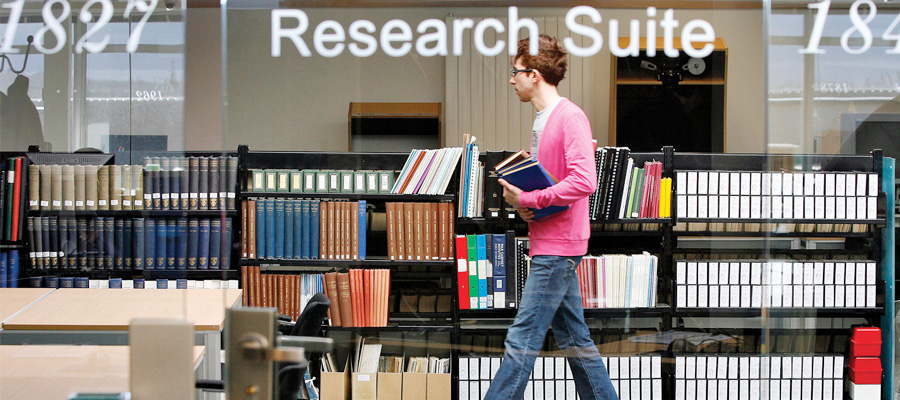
[(289, 377)]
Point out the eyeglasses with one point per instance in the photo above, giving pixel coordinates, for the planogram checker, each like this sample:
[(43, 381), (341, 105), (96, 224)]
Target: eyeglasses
[(513, 71)]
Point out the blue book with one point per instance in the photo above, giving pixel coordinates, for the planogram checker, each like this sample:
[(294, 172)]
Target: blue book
[(115, 283), (270, 228), (314, 229), (193, 239), (171, 235), (278, 238), (306, 235), (67, 282), (139, 283), (139, 240), (481, 263), (3, 259), (181, 283), (362, 229), (261, 228), (529, 175), (36, 281), (51, 282), (489, 257), (299, 231), (128, 239), (225, 258), (181, 243), (161, 243), (162, 283), (203, 246), (82, 282), (118, 243), (289, 229), (150, 243), (215, 242), (109, 238), (499, 283), (499, 254)]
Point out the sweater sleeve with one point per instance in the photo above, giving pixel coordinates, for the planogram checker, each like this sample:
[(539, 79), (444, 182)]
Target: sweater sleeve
[(580, 180)]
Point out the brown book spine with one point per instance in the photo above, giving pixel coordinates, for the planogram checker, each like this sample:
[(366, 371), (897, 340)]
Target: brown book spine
[(442, 231), (435, 231), (427, 230), (385, 295), (334, 312), (244, 232), (297, 293), (370, 297), (281, 282), (332, 231), (391, 234), (264, 290), (347, 230), (34, 187), (255, 285), (354, 231), (346, 303), (451, 242), (409, 220), (400, 230), (323, 230), (245, 284)]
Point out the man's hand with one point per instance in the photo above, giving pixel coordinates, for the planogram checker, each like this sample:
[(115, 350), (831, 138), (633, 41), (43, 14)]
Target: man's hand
[(511, 195)]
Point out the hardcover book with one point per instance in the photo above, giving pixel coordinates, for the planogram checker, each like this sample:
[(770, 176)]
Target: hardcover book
[(528, 174)]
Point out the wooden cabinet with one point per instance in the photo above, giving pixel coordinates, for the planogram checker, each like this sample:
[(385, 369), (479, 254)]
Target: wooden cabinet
[(660, 101)]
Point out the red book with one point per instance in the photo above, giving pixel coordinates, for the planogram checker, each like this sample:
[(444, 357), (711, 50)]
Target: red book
[(17, 199), (462, 272)]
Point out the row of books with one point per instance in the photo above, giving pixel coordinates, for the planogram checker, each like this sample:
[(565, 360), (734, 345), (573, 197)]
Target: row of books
[(288, 293), (13, 195), (775, 284), (779, 228), (9, 268), (190, 183), (619, 280), (86, 187), (749, 376), (625, 190), (632, 377), (359, 297), (83, 282), (320, 181), (427, 171), (108, 243), (491, 270), (471, 180), (777, 195), (420, 231), (307, 229)]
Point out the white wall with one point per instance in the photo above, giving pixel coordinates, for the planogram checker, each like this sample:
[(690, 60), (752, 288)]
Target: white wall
[(300, 103)]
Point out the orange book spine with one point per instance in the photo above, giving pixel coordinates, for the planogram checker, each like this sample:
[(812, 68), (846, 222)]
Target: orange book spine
[(323, 230), (391, 233), (344, 298), (400, 231), (245, 285), (409, 220), (427, 230)]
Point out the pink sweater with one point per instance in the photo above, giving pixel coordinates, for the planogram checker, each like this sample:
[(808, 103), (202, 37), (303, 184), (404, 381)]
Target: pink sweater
[(566, 152)]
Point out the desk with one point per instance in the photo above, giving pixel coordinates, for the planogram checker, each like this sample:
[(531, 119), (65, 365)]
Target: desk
[(101, 317), (55, 371), (12, 300)]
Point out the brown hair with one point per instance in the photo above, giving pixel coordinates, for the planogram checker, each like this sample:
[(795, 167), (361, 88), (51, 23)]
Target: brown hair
[(550, 61)]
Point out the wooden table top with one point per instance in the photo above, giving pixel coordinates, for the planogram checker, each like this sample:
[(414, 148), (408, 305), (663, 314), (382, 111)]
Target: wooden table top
[(113, 309), (54, 372), (14, 299)]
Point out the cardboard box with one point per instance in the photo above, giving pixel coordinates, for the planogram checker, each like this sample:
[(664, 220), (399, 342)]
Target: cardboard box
[(415, 386), (390, 385), (364, 386), (335, 385), (438, 387)]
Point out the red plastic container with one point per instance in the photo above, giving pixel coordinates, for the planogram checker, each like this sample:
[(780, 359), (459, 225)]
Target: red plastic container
[(865, 342), (865, 370)]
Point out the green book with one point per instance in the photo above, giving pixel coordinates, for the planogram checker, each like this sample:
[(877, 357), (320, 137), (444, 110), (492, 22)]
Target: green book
[(271, 180), (296, 181), (334, 181), (371, 182), (322, 181), (359, 181), (639, 192), (631, 191), (346, 181), (259, 180), (385, 181), (283, 181), (309, 180)]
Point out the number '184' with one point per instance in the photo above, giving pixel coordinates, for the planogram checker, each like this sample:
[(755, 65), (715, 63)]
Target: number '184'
[(859, 29)]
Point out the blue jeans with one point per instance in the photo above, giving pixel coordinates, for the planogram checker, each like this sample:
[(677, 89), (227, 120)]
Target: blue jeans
[(551, 298)]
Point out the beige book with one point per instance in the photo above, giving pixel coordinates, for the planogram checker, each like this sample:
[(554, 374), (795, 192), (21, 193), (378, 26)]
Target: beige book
[(103, 188), (115, 187), (79, 187), (45, 172), (34, 187), (137, 187), (56, 187), (68, 187), (91, 184), (127, 193)]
